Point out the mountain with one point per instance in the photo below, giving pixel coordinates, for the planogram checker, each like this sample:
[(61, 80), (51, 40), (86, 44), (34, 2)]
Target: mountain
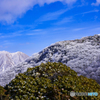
[(8, 60), (81, 55)]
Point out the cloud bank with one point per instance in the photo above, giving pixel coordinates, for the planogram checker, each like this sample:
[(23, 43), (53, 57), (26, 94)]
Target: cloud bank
[(10, 10), (97, 3)]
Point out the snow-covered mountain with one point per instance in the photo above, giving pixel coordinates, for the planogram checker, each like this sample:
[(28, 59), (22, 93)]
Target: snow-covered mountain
[(81, 55), (8, 60)]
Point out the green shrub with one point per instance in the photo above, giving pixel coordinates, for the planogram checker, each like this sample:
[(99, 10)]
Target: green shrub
[(51, 81), (3, 96)]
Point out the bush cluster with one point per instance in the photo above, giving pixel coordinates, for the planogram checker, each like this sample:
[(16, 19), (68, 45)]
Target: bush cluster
[(3, 96), (51, 81)]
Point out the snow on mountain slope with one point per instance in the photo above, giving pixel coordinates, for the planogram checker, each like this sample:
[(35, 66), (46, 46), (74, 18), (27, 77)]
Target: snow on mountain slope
[(18, 57), (8, 60), (81, 55)]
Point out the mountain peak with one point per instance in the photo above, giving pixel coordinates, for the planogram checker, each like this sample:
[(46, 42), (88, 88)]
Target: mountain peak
[(18, 52), (4, 51), (8, 60)]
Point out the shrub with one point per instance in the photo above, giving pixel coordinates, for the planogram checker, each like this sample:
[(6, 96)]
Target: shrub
[(3, 96), (51, 81)]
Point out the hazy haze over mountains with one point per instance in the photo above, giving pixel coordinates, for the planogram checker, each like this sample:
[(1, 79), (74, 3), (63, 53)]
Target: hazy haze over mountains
[(81, 55), (8, 60)]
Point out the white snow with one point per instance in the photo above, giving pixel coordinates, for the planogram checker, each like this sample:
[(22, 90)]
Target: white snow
[(35, 54), (98, 34), (10, 59)]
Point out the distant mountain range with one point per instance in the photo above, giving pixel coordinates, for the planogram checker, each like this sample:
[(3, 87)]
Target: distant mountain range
[(8, 60), (81, 55)]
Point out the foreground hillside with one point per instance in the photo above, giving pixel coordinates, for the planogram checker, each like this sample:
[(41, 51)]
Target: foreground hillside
[(51, 81), (82, 55), (3, 96)]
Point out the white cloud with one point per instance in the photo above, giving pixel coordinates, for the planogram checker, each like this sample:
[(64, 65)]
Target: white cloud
[(10, 10), (20, 33), (78, 29), (88, 12), (64, 21), (11, 35), (97, 3), (52, 16)]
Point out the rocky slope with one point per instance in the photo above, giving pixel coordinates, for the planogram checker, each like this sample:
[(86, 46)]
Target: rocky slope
[(81, 55), (8, 60)]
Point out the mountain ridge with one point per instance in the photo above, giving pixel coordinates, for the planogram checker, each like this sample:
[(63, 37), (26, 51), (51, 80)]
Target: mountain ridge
[(81, 55)]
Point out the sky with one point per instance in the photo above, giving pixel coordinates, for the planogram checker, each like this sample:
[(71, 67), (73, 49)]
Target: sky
[(30, 26)]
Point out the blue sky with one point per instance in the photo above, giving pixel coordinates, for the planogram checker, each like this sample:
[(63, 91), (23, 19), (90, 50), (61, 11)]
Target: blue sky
[(31, 25)]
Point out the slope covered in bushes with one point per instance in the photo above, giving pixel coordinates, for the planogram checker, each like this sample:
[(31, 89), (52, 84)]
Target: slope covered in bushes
[(3, 96), (51, 81)]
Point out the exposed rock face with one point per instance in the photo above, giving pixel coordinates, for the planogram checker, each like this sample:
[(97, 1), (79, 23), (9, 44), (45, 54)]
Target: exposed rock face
[(81, 55), (8, 60)]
